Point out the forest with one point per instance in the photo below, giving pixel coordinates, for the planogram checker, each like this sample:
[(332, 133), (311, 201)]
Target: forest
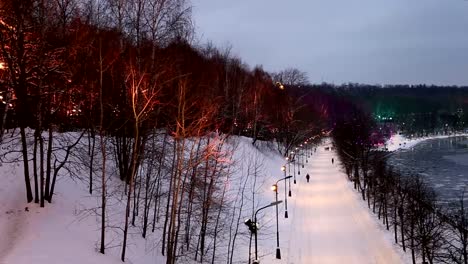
[(156, 110), (153, 109)]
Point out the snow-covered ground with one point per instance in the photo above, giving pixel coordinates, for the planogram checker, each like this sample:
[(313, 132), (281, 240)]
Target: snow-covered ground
[(398, 141), (328, 222)]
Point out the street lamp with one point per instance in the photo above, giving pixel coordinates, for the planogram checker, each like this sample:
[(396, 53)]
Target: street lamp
[(293, 159), (298, 159), (275, 189), (306, 152), (302, 155), (283, 168), (280, 85), (288, 162), (253, 227)]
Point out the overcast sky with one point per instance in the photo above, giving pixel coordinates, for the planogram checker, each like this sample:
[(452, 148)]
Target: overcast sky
[(338, 41)]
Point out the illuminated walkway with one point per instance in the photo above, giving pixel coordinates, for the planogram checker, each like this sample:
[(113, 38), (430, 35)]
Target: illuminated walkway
[(330, 224)]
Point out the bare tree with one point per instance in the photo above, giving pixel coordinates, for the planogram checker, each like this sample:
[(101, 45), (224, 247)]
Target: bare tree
[(143, 100), (291, 76), (456, 244), (17, 48)]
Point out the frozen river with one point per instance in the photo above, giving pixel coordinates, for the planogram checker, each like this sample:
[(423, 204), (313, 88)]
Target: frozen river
[(442, 162)]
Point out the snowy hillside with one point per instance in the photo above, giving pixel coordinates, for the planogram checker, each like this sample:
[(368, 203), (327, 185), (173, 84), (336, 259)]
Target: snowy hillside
[(327, 222)]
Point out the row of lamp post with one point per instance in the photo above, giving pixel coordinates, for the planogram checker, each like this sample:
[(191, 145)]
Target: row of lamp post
[(253, 225)]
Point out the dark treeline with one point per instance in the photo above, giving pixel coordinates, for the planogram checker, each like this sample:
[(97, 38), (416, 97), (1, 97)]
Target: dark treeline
[(56, 66), (412, 109), (68, 63), (404, 203)]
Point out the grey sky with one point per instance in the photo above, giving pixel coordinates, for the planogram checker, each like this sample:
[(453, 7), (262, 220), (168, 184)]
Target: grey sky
[(366, 41)]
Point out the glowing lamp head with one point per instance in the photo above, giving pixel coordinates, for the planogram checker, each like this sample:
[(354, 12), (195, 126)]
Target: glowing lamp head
[(274, 187), (280, 85), (283, 168), (2, 65)]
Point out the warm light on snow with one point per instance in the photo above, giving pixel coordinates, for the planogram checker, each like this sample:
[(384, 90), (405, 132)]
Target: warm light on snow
[(328, 222)]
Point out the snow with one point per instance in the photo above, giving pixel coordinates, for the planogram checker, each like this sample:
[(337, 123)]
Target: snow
[(328, 222), (399, 141)]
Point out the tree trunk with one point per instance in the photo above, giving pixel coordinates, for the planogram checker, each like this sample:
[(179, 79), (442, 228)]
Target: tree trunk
[(24, 150), (158, 195), (204, 208), (48, 164), (395, 218), (36, 183), (413, 255), (233, 244), (147, 200), (136, 197), (168, 202), (41, 165), (386, 213), (217, 223), (191, 198), (402, 229), (130, 188), (91, 149), (103, 152), (464, 245)]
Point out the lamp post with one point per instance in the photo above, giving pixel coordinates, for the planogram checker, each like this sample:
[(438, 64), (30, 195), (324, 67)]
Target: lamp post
[(289, 182), (297, 162), (283, 168), (253, 227), (275, 189), (302, 155), (289, 160), (306, 152), (293, 159)]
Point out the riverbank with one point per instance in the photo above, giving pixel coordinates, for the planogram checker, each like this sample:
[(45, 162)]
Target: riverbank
[(397, 141)]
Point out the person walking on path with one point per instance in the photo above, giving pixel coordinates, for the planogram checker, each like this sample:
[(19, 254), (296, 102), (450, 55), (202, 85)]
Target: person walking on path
[(333, 161), (307, 177)]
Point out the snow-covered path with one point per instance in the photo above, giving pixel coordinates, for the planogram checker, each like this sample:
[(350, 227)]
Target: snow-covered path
[(328, 223)]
